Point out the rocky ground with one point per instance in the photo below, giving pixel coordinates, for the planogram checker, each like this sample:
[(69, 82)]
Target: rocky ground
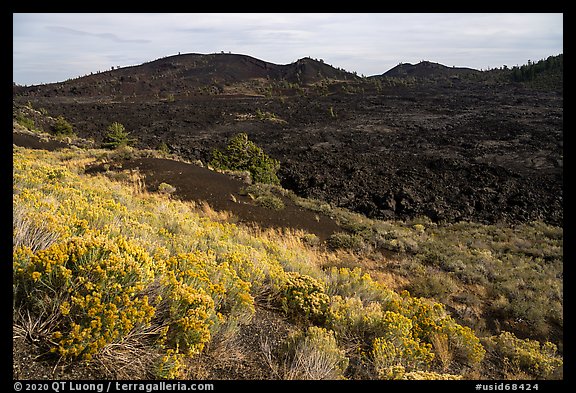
[(459, 150)]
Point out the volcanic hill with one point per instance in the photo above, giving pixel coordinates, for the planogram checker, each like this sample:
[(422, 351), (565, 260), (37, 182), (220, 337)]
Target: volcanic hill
[(427, 69), (188, 73)]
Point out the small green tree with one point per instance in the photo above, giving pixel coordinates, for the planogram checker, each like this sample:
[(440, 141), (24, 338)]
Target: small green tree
[(62, 127), (117, 136), (242, 154)]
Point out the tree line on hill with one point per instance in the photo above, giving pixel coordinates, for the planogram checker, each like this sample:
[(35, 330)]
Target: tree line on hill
[(530, 71)]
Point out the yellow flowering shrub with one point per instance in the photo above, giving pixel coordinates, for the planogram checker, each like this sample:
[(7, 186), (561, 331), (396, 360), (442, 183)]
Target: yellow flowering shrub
[(170, 366), (263, 273), (426, 315), (431, 375), (391, 357), (529, 356), (430, 319), (353, 282), (186, 314), (196, 297), (244, 266), (463, 342), (96, 284), (398, 347), (401, 337), (353, 321), (200, 270), (302, 295)]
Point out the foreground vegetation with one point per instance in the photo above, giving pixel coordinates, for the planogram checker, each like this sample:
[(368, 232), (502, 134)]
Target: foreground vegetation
[(140, 283), (493, 277)]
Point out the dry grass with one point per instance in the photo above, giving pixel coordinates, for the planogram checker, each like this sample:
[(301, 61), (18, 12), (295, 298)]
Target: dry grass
[(440, 343), (26, 232), (270, 359), (311, 364), (132, 357), (310, 356), (133, 179), (375, 265), (223, 352), (214, 215), (37, 329)]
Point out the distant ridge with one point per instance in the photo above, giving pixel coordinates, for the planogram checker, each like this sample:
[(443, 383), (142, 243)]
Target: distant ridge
[(195, 74), (229, 67), (184, 73)]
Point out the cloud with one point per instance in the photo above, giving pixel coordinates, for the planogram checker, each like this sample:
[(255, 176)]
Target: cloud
[(106, 36), (366, 43)]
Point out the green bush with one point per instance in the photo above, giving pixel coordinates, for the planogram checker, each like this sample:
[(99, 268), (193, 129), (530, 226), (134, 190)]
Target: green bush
[(62, 127), (347, 282), (355, 322), (529, 356), (315, 355), (243, 154), (166, 188), (25, 122), (266, 195), (163, 148), (270, 202), (346, 241), (437, 285)]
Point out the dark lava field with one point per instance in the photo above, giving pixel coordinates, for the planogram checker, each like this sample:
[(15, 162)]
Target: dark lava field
[(452, 149)]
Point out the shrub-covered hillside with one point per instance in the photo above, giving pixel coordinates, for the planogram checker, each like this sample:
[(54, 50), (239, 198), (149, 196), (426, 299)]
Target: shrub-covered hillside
[(143, 286)]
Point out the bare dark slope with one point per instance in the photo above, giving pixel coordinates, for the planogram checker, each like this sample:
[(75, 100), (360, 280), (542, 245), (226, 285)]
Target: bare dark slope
[(427, 69), (189, 74), (224, 193)]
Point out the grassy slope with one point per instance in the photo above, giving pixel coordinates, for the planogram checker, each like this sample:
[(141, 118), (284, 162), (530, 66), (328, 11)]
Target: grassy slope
[(186, 257)]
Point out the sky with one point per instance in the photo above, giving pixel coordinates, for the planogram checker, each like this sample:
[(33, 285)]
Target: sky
[(53, 47)]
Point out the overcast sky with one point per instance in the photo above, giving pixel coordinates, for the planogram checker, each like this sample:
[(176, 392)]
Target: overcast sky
[(52, 47)]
